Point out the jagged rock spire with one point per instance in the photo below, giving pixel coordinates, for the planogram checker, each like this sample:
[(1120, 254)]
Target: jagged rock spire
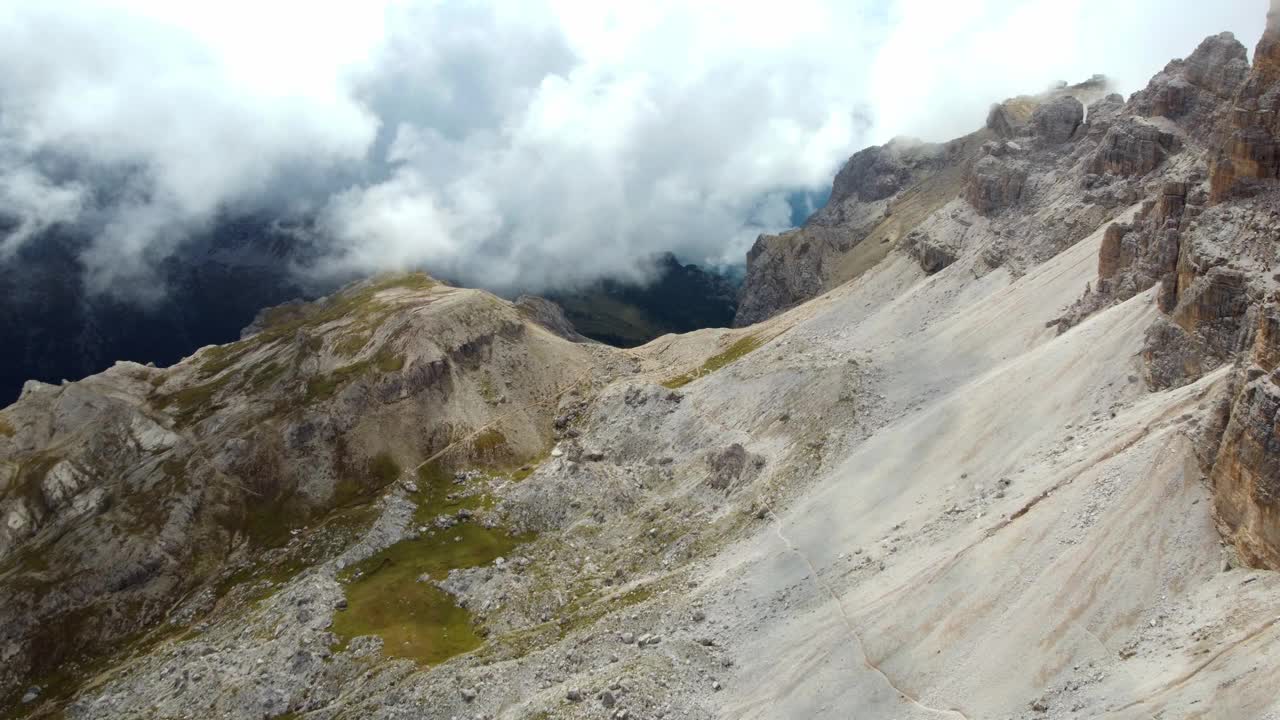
[(1252, 149)]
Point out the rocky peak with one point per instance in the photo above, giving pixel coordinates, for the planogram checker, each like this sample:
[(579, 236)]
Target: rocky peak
[(1251, 149), (878, 172), (1218, 65), (1194, 92)]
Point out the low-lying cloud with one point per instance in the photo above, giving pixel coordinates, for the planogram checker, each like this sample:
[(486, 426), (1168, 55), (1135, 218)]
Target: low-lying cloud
[(509, 145)]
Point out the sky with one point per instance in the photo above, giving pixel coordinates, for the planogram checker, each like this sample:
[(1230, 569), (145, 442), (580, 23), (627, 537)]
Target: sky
[(511, 145)]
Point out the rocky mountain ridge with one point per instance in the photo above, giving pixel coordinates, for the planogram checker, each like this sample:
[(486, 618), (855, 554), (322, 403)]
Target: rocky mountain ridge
[(1002, 444)]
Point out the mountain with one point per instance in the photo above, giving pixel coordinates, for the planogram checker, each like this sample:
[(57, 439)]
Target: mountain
[(882, 193), (212, 289), (221, 278), (681, 298), (1001, 443)]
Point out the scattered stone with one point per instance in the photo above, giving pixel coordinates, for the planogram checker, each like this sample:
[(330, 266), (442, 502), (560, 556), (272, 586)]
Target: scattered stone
[(574, 695), (607, 699), (468, 694)]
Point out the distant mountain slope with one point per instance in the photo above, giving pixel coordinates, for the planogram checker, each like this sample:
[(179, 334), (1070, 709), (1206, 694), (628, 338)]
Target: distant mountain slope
[(221, 279), (54, 330), (682, 298)]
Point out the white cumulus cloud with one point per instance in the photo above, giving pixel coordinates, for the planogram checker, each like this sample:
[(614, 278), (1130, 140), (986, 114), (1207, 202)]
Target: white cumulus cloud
[(511, 145)]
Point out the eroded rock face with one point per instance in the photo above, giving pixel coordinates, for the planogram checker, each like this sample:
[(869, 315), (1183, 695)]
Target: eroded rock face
[(1132, 147), (1246, 476), (783, 270), (1266, 348), (994, 184), (1251, 151), (883, 193), (1194, 90), (932, 255), (878, 172), (549, 315), (1055, 122)]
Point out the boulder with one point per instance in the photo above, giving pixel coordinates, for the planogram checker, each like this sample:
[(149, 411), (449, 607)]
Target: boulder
[(932, 255)]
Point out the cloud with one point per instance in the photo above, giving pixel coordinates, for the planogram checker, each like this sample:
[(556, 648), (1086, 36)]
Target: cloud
[(943, 64), (177, 111), (510, 145)]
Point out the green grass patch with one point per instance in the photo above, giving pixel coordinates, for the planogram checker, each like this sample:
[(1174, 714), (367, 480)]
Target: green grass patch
[(388, 362), (735, 351), (588, 610), (351, 345), (268, 520), (415, 619), (384, 468), (489, 442), (323, 387), (265, 376), (31, 472), (195, 403), (438, 494), (271, 570), (221, 357), (356, 303)]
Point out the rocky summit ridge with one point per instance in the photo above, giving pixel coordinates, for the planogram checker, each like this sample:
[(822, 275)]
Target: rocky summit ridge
[(997, 439)]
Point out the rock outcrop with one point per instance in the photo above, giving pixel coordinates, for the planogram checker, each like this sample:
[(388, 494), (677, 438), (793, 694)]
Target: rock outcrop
[(883, 193), (994, 183), (1251, 151), (1056, 121), (1132, 147), (1194, 91), (549, 315), (1208, 246), (833, 245)]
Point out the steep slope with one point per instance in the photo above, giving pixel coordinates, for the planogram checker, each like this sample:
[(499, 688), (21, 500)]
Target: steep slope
[(1020, 466)]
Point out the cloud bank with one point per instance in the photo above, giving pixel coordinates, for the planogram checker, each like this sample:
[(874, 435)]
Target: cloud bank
[(510, 145)]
